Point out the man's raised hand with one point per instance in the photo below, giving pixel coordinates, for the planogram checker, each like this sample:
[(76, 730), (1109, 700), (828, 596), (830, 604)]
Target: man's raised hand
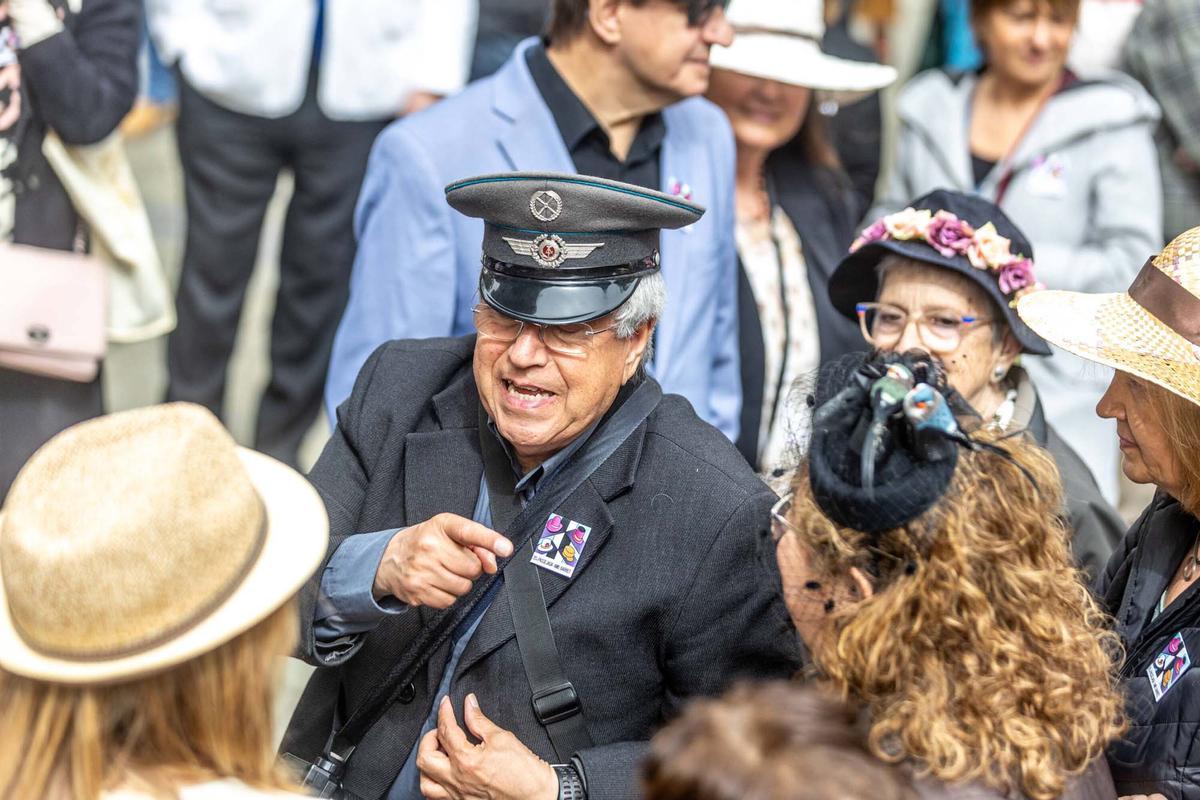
[(436, 562)]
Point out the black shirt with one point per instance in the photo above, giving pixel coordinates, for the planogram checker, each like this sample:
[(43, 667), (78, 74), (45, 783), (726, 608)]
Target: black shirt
[(586, 140)]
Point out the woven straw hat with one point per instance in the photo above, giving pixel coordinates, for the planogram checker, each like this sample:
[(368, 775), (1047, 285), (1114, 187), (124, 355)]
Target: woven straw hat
[(1152, 331), (137, 541)]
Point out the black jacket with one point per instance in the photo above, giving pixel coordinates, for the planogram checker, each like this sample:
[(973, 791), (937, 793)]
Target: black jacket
[(821, 205), (669, 601), (1161, 750), (80, 83)]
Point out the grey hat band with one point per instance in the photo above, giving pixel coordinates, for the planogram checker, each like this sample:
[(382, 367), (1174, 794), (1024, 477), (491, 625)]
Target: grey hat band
[(567, 274), (563, 251)]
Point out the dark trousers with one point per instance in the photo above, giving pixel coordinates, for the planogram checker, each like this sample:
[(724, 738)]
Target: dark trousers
[(32, 410), (230, 165)]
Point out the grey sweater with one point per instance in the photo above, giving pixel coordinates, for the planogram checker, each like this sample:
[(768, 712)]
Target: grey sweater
[(1083, 184)]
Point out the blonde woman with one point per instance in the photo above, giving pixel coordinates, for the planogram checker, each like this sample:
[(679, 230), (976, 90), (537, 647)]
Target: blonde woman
[(1151, 336), (935, 586), (147, 569)]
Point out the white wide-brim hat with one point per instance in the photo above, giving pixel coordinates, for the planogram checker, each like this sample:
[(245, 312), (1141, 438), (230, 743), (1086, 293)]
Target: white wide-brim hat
[(1151, 331), (799, 61), (780, 40), (201, 541)]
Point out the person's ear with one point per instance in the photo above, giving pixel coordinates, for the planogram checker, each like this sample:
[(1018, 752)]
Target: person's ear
[(866, 589), (604, 17), (1009, 349), (637, 347)]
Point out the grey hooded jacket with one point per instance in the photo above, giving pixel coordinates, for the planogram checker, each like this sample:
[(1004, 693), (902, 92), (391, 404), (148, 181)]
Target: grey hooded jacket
[(1083, 184)]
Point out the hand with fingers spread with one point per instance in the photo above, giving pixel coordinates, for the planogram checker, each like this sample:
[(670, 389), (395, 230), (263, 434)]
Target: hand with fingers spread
[(436, 562), (498, 768)]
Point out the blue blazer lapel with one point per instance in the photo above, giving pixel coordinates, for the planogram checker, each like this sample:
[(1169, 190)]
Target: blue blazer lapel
[(528, 137), (674, 245)]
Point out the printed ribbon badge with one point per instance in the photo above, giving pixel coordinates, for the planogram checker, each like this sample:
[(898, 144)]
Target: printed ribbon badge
[(1168, 668), (560, 546)]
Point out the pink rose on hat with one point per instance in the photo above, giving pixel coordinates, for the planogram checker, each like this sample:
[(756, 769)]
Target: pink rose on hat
[(949, 235), (1017, 275)]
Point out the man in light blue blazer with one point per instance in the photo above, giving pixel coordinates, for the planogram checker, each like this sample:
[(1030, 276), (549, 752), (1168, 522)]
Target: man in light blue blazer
[(615, 93)]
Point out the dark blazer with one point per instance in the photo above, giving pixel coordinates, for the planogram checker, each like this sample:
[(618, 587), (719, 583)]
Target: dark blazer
[(80, 82), (674, 597), (1158, 752), (821, 205)]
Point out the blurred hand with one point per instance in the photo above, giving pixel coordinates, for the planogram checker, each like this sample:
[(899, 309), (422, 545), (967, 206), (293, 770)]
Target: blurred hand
[(436, 562), (498, 768), (419, 101)]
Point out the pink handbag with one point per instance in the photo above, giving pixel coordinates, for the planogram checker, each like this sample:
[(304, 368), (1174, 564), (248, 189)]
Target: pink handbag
[(52, 312)]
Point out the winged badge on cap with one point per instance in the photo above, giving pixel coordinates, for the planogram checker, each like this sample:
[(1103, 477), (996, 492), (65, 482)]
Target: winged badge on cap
[(549, 250)]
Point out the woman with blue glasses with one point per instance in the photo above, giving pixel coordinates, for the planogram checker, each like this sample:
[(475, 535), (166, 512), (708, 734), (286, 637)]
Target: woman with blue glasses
[(942, 276)]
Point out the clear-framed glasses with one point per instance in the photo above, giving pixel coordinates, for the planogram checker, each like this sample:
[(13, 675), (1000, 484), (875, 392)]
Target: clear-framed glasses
[(568, 340), (941, 330), (779, 517)]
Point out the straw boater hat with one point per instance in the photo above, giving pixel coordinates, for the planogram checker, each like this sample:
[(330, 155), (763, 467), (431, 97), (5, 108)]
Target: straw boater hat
[(781, 40), (1152, 331), (135, 542)]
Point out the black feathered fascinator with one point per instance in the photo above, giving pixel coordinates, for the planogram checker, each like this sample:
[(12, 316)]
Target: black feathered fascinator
[(885, 439)]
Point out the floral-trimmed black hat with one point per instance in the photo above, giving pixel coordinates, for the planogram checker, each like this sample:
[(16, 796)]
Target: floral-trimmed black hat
[(957, 231)]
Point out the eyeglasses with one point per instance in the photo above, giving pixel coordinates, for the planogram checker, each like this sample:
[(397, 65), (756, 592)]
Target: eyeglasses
[(700, 11), (779, 517), (941, 330), (568, 340)]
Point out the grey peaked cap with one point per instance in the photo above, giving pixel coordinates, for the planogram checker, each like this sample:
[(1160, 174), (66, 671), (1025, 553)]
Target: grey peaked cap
[(562, 248)]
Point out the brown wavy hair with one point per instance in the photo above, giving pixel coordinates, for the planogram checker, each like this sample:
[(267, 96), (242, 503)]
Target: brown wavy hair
[(770, 741), (206, 719), (981, 655)]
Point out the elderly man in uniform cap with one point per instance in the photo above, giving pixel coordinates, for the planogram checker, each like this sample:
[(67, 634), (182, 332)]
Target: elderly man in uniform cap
[(536, 557)]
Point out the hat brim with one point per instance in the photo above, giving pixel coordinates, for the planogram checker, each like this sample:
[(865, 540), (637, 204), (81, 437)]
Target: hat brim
[(801, 62), (296, 541), (548, 302), (1113, 330), (856, 280)]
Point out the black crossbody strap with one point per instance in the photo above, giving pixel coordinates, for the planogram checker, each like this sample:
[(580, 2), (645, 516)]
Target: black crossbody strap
[(555, 700), (526, 522)]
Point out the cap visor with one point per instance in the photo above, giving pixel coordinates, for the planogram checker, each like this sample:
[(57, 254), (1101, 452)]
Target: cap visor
[(555, 302), (1113, 330), (296, 542)]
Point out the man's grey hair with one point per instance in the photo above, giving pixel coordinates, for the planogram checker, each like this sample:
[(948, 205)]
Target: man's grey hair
[(645, 305)]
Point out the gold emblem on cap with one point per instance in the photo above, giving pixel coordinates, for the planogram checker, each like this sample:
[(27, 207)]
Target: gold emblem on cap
[(549, 250), (546, 205)]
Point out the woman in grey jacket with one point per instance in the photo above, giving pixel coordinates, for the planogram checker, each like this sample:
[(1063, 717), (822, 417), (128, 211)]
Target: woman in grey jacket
[(1068, 157)]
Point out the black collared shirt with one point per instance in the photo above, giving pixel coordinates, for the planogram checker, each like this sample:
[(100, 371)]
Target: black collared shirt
[(586, 140)]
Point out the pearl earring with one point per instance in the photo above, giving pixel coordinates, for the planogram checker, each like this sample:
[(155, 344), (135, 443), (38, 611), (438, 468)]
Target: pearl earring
[(998, 373)]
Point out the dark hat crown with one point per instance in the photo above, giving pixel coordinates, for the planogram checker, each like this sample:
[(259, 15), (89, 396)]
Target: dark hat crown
[(561, 248), (856, 420)]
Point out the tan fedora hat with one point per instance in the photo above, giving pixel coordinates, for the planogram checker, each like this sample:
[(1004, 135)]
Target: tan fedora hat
[(1152, 331), (137, 541)]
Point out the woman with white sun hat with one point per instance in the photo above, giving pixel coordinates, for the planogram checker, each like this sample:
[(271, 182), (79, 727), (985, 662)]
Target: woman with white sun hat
[(796, 210), (1151, 336), (147, 574)]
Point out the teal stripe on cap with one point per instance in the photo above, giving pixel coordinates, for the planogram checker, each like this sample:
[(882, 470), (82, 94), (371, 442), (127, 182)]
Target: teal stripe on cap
[(578, 182)]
